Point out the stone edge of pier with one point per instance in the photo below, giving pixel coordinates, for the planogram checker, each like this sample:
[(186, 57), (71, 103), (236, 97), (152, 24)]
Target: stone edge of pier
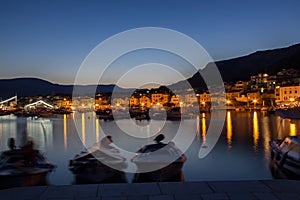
[(252, 189)]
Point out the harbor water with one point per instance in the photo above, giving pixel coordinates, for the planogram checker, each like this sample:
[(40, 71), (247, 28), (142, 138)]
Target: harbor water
[(241, 153)]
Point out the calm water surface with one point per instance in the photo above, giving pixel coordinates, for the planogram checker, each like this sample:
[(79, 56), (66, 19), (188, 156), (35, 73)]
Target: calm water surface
[(241, 153)]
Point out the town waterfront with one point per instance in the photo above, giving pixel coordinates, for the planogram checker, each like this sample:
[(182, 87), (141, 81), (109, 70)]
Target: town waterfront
[(241, 153)]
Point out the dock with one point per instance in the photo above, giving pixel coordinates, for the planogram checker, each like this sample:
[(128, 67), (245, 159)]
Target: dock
[(206, 190)]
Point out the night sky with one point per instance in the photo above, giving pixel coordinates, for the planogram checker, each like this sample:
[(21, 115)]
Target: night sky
[(50, 39)]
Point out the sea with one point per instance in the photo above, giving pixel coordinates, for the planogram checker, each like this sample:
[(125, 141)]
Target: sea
[(238, 151)]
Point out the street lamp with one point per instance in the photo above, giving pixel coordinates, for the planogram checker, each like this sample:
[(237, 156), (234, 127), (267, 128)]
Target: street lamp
[(254, 101)]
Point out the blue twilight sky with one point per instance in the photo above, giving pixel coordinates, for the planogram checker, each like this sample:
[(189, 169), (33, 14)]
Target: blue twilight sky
[(50, 39)]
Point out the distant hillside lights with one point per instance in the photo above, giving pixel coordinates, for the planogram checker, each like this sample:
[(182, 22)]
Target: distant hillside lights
[(261, 91), (287, 94)]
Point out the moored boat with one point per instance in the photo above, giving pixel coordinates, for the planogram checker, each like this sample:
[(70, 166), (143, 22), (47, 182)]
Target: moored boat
[(286, 153), (18, 168), (159, 162), (101, 163)]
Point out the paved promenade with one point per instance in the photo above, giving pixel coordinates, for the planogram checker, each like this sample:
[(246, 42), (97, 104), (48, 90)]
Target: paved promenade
[(244, 190)]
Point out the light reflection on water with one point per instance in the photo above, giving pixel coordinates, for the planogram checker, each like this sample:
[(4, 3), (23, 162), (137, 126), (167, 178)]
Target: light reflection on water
[(241, 153)]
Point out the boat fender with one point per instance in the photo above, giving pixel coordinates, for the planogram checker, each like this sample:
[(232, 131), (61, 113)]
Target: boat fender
[(282, 160)]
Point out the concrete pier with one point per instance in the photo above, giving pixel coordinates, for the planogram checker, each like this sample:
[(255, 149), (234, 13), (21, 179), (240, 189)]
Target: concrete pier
[(215, 190)]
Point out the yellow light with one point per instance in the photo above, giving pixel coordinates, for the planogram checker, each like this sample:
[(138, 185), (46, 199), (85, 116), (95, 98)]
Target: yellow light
[(203, 102), (292, 99), (83, 129), (229, 129), (204, 130), (96, 105), (293, 131), (65, 131), (158, 104), (228, 101), (255, 130), (97, 130), (254, 101)]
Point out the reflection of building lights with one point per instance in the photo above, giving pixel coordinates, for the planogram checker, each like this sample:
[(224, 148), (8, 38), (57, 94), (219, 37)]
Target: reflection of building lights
[(293, 131), (97, 130), (198, 127), (83, 129), (255, 130), (229, 129), (65, 131), (204, 130)]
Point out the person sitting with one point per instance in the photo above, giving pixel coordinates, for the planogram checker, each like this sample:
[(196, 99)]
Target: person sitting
[(105, 142), (159, 138), (12, 143), (29, 153), (153, 147)]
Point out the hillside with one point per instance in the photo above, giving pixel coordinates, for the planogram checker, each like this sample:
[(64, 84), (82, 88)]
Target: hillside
[(269, 61)]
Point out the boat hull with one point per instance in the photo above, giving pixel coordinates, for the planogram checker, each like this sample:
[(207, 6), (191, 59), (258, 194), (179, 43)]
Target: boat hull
[(34, 178), (96, 172), (282, 159)]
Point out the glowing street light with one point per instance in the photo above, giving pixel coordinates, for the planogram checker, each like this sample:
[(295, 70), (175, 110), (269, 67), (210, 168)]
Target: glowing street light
[(254, 101)]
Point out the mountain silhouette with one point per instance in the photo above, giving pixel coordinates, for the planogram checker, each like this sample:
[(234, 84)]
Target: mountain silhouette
[(269, 61), (241, 68), (38, 87)]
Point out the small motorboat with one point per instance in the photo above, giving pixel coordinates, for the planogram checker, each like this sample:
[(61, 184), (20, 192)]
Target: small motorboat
[(101, 163), (17, 170), (159, 162), (286, 153)]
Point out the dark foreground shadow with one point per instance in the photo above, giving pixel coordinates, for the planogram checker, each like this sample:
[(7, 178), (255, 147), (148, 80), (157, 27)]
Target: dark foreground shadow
[(152, 177), (281, 173)]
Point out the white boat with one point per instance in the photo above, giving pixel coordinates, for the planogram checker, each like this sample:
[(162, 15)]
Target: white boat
[(286, 153), (15, 171), (159, 162), (101, 163)]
